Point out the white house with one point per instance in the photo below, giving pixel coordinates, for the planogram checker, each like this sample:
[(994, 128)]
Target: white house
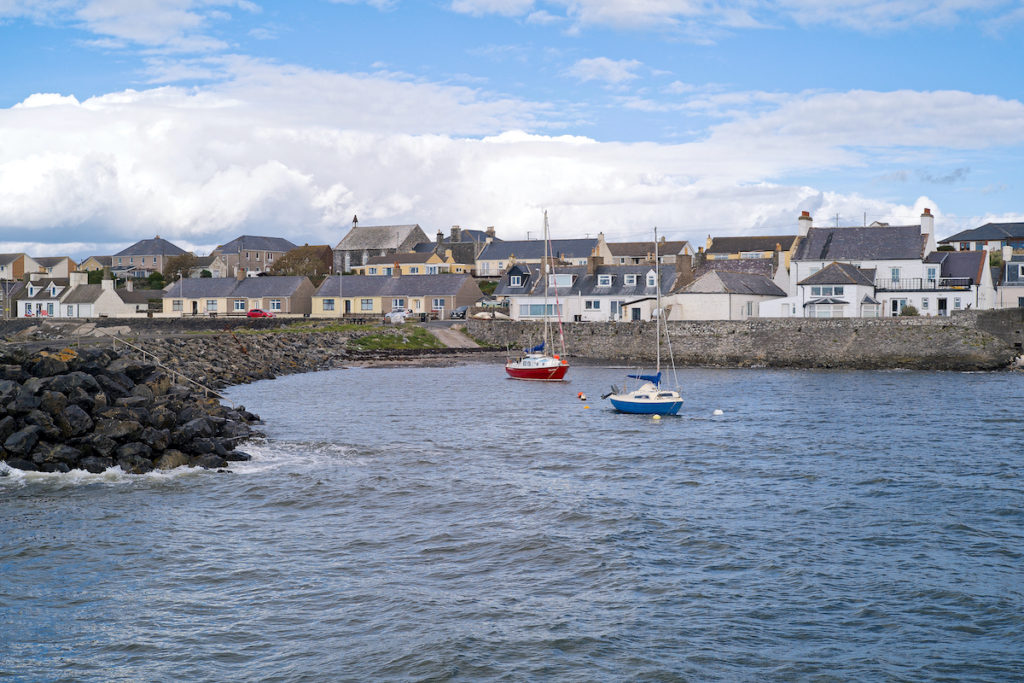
[(722, 295)]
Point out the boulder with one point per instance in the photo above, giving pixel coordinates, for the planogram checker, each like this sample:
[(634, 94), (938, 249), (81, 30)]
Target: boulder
[(9, 391), (162, 417), (238, 456), (192, 430), (95, 445), (8, 425), (54, 467), (115, 385), (22, 464), (170, 459), (48, 429), (78, 420), (24, 403), (132, 401), (157, 439), (74, 380), (48, 366), (209, 461), (117, 429), (95, 463), (21, 442), (52, 403), (133, 462)]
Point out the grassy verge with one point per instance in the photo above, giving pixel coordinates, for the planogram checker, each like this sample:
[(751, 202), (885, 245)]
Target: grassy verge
[(403, 337)]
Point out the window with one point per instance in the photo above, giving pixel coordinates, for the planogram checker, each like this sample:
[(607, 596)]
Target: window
[(366, 304), (211, 305), (931, 275), (238, 305), (750, 308), (615, 307), (387, 271), (118, 260), (894, 274), (328, 304), (604, 280), (515, 281), (247, 256), (398, 304), (439, 303), (28, 309), (71, 311), (825, 311), (432, 270), (270, 257), (414, 270), (560, 280), (275, 304), (373, 270), (630, 279), (154, 260), (751, 254), (537, 310), (257, 256), (652, 280), (924, 304), (176, 305), (956, 303), (131, 259), (827, 291), (49, 309), (592, 305)]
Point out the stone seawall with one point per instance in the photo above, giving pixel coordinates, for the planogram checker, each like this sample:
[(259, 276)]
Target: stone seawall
[(956, 343)]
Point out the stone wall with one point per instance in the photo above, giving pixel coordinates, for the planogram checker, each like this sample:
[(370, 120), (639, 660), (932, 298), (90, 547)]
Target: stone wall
[(955, 343)]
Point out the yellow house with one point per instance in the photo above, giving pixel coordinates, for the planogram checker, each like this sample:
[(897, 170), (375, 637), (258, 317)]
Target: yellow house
[(369, 295), (95, 263), (412, 263), (765, 246)]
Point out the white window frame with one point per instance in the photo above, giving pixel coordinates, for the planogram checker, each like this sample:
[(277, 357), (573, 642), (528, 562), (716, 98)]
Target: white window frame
[(275, 305), (515, 281), (211, 305), (328, 304), (604, 280), (366, 304), (592, 304), (398, 304), (239, 305), (438, 303)]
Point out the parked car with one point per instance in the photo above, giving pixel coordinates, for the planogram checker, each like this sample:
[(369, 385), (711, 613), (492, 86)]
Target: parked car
[(460, 312), (259, 313)]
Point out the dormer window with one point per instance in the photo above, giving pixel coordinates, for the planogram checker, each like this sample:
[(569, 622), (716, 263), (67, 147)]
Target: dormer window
[(604, 280), (630, 279), (652, 279), (515, 281)]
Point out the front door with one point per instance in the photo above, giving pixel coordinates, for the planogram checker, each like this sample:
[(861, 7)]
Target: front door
[(636, 313), (348, 306), (942, 307), (195, 308)]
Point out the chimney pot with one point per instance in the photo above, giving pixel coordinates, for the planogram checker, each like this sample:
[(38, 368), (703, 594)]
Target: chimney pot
[(805, 213)]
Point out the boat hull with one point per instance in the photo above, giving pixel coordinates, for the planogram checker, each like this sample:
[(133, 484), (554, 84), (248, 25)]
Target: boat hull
[(626, 405), (538, 369)]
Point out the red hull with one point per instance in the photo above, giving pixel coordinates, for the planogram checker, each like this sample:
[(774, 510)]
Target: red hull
[(551, 374)]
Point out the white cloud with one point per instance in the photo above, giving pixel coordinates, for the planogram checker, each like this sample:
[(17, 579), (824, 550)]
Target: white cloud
[(605, 70), (295, 152)]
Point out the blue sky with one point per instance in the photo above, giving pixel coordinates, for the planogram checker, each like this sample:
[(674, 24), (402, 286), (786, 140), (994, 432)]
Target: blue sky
[(201, 120)]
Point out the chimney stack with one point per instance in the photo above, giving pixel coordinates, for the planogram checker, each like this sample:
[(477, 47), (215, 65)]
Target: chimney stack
[(396, 270), (927, 222), (592, 263), (440, 237), (684, 270), (490, 231), (456, 234), (804, 223)]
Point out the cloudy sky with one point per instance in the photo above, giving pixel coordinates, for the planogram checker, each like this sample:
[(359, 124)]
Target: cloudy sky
[(202, 120)]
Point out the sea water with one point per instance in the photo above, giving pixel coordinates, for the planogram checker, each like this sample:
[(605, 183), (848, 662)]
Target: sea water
[(447, 523)]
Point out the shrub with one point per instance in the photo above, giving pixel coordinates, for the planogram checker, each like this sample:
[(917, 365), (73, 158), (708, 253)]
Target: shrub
[(909, 310)]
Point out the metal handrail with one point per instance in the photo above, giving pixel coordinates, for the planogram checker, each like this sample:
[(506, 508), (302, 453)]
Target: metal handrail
[(174, 373)]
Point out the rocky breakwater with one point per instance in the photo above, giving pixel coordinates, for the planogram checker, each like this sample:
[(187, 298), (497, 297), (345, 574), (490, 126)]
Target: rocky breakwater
[(95, 409)]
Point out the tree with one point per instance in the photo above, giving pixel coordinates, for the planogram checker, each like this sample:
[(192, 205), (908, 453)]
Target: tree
[(95, 277), (205, 273), (156, 280), (314, 262), (178, 266), (909, 310)]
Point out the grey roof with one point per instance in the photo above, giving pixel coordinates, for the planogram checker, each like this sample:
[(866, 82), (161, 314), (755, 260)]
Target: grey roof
[(736, 245), (103, 260), (270, 285), (83, 294), (533, 250), (825, 300), (444, 284), (587, 284), (753, 266), (735, 283), (49, 261), (137, 296), (255, 243), (868, 299), (9, 258), (43, 287), (840, 274), (199, 287), (643, 249), (964, 264), (152, 247), (376, 237), (988, 232), (899, 242)]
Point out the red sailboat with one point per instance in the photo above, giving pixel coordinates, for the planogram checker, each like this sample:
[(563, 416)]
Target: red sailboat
[(535, 363)]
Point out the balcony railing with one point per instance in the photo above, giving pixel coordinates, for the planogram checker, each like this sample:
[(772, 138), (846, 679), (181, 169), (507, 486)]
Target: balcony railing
[(921, 284)]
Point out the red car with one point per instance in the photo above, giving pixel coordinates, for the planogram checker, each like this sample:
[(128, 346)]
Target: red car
[(257, 313)]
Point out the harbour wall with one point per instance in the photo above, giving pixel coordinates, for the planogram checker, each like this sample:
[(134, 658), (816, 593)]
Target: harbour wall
[(972, 340)]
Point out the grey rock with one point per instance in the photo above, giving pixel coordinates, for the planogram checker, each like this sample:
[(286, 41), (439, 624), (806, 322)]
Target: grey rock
[(54, 467), (8, 425), (22, 464), (208, 461), (171, 459), (157, 439), (48, 367), (52, 403), (21, 442), (117, 429), (74, 380), (95, 464), (78, 420)]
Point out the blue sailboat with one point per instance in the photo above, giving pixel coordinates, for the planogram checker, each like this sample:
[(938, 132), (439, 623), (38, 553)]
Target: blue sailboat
[(650, 398)]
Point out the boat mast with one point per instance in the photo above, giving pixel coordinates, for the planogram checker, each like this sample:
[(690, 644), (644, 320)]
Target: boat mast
[(544, 272), (657, 277)]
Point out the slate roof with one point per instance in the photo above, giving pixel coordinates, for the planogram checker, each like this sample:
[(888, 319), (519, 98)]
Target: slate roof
[(201, 287), (964, 264), (376, 237), (50, 261), (988, 232), (841, 274), (9, 258), (734, 283), (736, 245), (444, 284), (137, 296), (102, 260), (42, 288), (151, 247), (893, 242), (255, 243), (271, 285), (587, 284), (752, 266), (83, 294), (533, 250), (643, 249)]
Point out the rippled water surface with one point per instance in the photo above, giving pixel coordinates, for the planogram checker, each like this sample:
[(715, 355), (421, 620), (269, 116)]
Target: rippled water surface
[(449, 524)]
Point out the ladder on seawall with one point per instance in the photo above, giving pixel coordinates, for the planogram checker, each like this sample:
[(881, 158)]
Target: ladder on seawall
[(146, 355)]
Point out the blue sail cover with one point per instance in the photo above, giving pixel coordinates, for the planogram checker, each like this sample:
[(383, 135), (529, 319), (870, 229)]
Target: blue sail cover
[(653, 379), (536, 349)]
